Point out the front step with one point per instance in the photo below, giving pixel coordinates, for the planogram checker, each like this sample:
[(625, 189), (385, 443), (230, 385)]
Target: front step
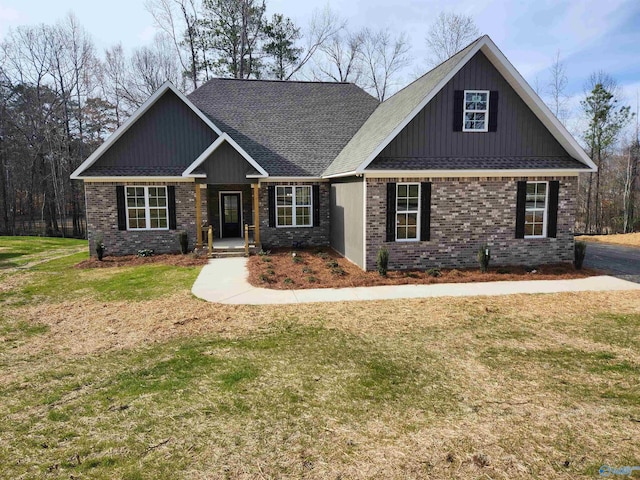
[(232, 252)]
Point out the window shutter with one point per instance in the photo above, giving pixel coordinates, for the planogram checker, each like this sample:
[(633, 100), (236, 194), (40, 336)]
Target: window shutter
[(121, 203), (271, 190), (493, 111), (425, 211), (552, 221), (520, 209), (171, 203), (391, 212), (458, 110), (316, 205)]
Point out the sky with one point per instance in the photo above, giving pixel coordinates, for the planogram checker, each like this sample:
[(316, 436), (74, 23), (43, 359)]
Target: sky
[(590, 35)]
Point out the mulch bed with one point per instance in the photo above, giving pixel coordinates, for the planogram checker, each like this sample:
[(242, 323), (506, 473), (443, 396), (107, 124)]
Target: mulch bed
[(326, 269), (177, 260)]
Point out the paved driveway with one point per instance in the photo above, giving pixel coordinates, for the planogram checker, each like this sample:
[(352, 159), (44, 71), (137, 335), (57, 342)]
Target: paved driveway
[(622, 262)]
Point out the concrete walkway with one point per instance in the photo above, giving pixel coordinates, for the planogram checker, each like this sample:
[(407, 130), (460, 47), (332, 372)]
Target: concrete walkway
[(223, 280)]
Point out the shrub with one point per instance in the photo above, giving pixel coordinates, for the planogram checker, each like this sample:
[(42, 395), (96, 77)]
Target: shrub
[(183, 237), (311, 279), (322, 255), (266, 259), (338, 271), (332, 264), (262, 252), (145, 252), (271, 271), (307, 270), (484, 256), (579, 252), (412, 275), (100, 248), (434, 272), (264, 278), (296, 258), (382, 261), (288, 281)]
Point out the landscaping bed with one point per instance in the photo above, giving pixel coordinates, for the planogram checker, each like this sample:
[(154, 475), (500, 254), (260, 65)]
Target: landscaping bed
[(178, 260), (281, 269)]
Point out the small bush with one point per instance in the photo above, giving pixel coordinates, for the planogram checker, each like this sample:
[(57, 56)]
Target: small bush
[(382, 261), (297, 258), (338, 271), (100, 248), (311, 279), (579, 252), (145, 252), (307, 270), (266, 259), (322, 255), (271, 271), (434, 272), (264, 278), (263, 253), (484, 256), (183, 238), (455, 273), (288, 281), (412, 275), (332, 264)]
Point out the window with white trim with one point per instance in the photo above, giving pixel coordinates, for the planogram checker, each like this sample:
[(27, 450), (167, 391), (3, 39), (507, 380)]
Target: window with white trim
[(476, 111), (147, 208), (407, 211), (293, 206), (535, 214)]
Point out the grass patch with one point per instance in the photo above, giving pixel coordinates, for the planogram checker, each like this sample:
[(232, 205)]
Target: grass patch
[(625, 239)]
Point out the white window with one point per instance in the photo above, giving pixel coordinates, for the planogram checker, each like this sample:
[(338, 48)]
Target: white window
[(293, 206), (476, 111), (535, 218), (407, 211), (147, 208)]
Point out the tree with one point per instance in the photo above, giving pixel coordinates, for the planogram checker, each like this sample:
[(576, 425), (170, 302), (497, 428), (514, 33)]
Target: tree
[(606, 120), (448, 34), (383, 57), (557, 88), (281, 36), (342, 58)]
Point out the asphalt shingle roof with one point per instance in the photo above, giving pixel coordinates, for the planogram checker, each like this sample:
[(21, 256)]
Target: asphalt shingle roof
[(476, 163), (133, 171), (289, 128)]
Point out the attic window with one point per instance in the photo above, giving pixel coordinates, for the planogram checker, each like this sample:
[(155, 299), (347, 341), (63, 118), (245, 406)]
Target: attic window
[(476, 111)]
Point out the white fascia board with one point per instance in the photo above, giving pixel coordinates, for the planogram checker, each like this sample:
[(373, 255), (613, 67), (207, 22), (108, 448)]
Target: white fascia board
[(293, 179), (474, 173), (224, 137), (134, 118), (420, 106), (136, 179), (345, 174)]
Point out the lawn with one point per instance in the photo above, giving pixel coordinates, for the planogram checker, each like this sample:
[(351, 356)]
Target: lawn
[(121, 373), (626, 239)]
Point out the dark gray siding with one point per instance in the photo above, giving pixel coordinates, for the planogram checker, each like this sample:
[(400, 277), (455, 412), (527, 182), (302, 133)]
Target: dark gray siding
[(347, 219), (226, 165), (430, 133), (169, 134)]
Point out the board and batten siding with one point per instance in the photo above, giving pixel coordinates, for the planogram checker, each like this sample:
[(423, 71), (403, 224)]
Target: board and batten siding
[(169, 134), (430, 134), (347, 219), (225, 165)]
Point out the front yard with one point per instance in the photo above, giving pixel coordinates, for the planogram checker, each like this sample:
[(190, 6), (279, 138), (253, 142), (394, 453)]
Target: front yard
[(626, 239), (121, 373)]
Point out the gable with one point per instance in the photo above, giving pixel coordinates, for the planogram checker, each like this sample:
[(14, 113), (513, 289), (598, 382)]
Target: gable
[(164, 140), (430, 133), (226, 165)]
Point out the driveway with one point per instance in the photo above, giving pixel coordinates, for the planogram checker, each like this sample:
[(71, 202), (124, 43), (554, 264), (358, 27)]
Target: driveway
[(621, 262)]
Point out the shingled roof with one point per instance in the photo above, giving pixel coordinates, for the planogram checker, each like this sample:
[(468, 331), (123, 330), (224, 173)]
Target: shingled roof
[(290, 128)]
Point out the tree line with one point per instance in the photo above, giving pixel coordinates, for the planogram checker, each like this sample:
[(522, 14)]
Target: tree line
[(60, 97)]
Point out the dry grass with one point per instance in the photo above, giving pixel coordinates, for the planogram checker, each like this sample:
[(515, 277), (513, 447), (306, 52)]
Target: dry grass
[(326, 269), (522, 386), (627, 239), (175, 260)]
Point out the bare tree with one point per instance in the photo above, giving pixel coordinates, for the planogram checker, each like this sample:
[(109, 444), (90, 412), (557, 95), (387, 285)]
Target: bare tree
[(557, 88), (448, 34), (341, 59), (114, 81), (383, 57)]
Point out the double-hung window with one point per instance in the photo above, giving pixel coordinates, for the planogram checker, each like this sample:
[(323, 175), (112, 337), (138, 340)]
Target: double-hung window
[(535, 218), (476, 111), (407, 211), (293, 206), (147, 208)]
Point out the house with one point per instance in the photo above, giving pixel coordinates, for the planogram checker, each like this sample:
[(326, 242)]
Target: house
[(468, 154)]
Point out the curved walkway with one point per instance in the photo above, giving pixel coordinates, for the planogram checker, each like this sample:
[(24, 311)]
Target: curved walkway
[(224, 280)]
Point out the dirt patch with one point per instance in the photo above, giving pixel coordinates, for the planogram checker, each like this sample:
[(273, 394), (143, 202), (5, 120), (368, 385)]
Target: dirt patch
[(133, 261), (326, 269), (626, 239)]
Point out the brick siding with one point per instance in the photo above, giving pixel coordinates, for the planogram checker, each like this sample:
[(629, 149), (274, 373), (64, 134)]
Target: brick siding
[(465, 213)]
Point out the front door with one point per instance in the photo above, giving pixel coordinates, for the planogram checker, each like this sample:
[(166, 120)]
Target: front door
[(230, 205)]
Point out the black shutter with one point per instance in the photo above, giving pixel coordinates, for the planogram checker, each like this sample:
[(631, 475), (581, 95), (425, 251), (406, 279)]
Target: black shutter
[(520, 209), (391, 212), (316, 205), (552, 221), (425, 211), (271, 190), (493, 111), (458, 110), (171, 202), (121, 202)]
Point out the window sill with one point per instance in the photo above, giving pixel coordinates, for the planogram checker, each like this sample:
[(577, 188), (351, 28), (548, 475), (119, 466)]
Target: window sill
[(148, 229)]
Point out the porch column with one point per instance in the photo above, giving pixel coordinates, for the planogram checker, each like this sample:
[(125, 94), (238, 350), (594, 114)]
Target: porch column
[(256, 212), (198, 217)]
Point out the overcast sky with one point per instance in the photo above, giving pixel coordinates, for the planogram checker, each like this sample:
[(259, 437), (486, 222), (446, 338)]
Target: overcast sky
[(590, 34)]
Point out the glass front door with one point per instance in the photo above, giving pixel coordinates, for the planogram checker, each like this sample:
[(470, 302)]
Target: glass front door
[(231, 215)]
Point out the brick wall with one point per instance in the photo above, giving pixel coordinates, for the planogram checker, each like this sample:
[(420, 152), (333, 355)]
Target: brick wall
[(102, 218), (465, 213), (287, 236)]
